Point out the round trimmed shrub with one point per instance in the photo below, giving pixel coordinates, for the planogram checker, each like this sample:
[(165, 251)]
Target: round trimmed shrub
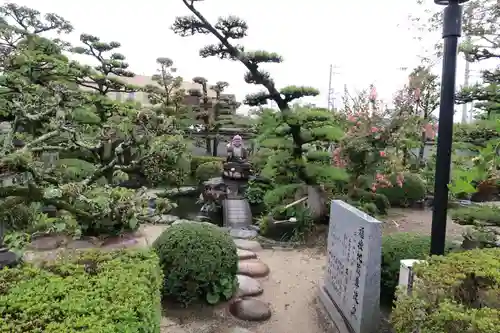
[(412, 191), (397, 247), (208, 170), (199, 261), (459, 292)]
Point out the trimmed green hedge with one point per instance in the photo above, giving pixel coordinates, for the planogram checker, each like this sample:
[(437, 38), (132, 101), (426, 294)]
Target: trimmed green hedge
[(91, 291), (459, 292), (199, 261), (413, 190), (196, 161), (397, 247), (208, 170)]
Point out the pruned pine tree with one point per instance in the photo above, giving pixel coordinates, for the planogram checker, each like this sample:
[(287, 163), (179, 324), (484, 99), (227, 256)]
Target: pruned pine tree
[(300, 127), (166, 94), (51, 104)]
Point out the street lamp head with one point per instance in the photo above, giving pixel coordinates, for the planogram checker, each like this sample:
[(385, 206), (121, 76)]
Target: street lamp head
[(447, 2)]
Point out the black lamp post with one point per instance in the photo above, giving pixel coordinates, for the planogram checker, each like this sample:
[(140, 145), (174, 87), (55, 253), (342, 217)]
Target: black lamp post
[(452, 26)]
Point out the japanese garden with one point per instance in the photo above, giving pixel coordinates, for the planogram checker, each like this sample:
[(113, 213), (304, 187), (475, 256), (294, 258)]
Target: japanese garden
[(175, 213)]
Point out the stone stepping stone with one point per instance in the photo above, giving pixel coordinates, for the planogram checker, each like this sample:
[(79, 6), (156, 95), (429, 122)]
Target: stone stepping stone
[(119, 243), (253, 268), (248, 286), (250, 309), (242, 233), (244, 254), (249, 245), (46, 243), (80, 244), (236, 329)]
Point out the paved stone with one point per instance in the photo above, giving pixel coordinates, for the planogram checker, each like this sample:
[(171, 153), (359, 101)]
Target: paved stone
[(191, 221), (249, 245), (244, 254), (248, 286), (119, 243), (46, 243), (243, 233), (152, 232), (253, 268), (236, 329), (80, 244), (250, 309)]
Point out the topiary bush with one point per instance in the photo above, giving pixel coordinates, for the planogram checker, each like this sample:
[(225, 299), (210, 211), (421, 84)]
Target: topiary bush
[(362, 197), (208, 170), (196, 161), (199, 262), (397, 247), (81, 292), (459, 292), (412, 191)]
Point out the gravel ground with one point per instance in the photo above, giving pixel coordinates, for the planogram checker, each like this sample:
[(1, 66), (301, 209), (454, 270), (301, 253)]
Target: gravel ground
[(290, 289)]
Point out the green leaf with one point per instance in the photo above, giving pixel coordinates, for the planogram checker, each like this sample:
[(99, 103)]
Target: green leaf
[(133, 222), (213, 298)]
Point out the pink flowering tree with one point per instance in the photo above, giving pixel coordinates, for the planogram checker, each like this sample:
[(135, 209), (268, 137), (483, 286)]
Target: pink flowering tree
[(367, 150)]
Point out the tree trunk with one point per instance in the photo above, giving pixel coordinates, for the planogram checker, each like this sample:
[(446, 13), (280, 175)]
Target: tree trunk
[(421, 149)]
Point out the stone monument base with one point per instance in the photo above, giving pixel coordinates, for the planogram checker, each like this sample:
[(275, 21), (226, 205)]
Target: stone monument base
[(330, 314)]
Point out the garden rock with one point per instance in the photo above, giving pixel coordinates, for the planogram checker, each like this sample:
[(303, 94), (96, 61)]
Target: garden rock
[(248, 245), (119, 243), (236, 329), (250, 309), (253, 268), (218, 181), (190, 221), (167, 219), (47, 243), (248, 286), (244, 254), (243, 233), (80, 244), (185, 190)]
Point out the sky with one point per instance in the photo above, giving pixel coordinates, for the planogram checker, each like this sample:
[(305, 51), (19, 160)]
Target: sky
[(367, 41)]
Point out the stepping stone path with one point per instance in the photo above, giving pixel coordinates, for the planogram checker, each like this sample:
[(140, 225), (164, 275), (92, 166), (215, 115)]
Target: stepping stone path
[(244, 306)]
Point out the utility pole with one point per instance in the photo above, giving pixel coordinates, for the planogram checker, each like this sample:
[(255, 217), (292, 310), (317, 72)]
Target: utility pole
[(331, 90), (465, 107)]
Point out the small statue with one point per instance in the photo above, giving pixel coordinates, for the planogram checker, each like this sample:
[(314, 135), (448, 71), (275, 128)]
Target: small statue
[(236, 152)]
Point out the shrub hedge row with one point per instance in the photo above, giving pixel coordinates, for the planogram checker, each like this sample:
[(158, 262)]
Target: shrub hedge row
[(91, 291), (459, 292)]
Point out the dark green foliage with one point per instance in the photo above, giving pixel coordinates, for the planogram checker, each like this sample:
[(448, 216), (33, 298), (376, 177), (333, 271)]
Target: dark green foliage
[(256, 190), (477, 133), (369, 208), (397, 247), (412, 191), (363, 197), (476, 215), (199, 262), (112, 292), (54, 105), (73, 169), (197, 160), (168, 162), (208, 170), (484, 220), (459, 292)]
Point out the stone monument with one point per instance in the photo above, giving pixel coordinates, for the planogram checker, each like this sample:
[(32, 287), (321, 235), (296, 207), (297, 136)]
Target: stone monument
[(349, 297)]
